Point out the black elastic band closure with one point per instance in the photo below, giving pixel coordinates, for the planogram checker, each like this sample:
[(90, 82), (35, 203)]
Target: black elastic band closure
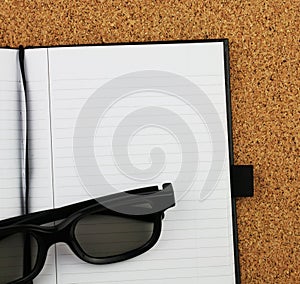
[(22, 67), (242, 181), (25, 199)]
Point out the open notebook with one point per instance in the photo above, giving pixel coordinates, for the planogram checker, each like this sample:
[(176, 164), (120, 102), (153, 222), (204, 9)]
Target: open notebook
[(157, 113)]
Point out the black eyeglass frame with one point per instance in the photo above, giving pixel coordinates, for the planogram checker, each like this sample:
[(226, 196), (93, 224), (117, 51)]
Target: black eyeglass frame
[(112, 205)]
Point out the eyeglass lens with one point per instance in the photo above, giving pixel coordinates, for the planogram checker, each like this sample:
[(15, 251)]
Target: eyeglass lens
[(102, 235), (12, 250)]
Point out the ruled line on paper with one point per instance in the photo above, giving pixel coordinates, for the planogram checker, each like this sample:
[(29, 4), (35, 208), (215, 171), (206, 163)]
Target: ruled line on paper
[(110, 78), (79, 98), (220, 277)]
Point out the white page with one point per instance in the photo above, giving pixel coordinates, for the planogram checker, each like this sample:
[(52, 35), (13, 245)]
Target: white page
[(10, 134), (196, 245), (40, 162), (12, 131), (11, 141)]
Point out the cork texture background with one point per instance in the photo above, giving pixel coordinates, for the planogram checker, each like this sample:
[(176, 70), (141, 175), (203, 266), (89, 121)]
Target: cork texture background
[(265, 86)]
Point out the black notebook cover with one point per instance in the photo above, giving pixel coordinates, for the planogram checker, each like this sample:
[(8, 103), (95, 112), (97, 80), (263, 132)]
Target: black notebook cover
[(229, 122)]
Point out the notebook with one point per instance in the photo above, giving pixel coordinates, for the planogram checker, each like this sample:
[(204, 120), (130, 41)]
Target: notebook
[(114, 117)]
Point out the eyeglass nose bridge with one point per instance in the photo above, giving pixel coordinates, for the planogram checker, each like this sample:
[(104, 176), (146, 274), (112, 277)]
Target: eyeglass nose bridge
[(58, 234)]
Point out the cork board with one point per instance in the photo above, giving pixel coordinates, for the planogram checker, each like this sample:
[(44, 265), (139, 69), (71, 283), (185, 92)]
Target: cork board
[(265, 85)]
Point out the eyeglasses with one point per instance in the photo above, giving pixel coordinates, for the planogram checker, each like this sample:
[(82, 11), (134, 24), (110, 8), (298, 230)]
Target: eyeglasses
[(99, 231)]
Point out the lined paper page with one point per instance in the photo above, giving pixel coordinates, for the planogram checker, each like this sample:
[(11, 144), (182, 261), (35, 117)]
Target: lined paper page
[(167, 128), (40, 166), (11, 134)]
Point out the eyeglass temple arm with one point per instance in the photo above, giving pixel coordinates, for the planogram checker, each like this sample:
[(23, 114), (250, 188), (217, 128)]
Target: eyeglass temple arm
[(46, 216), (51, 215)]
